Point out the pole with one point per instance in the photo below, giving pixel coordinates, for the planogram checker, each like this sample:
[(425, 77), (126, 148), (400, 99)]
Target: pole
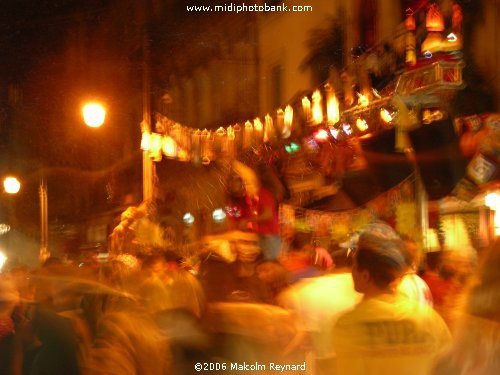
[(148, 171), (44, 221)]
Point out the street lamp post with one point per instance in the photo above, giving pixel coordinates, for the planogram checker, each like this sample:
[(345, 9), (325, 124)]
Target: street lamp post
[(94, 115), (44, 221)]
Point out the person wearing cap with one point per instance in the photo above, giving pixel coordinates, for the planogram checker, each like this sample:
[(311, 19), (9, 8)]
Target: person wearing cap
[(386, 333)]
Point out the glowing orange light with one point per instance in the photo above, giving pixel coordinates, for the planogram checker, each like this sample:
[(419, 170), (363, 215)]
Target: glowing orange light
[(332, 107), (230, 133), (361, 124), (321, 135), (268, 128), (11, 185), (169, 147), (363, 100), (410, 22), (93, 114), (156, 147), (257, 125), (385, 115), (317, 110), (288, 121), (306, 106), (220, 132), (434, 19), (146, 141)]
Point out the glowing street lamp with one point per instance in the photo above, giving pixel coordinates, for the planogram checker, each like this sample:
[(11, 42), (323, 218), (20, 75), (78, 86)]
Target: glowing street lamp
[(3, 259), (11, 185), (93, 114)]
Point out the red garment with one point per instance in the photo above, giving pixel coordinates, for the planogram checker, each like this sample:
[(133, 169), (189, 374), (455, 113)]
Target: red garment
[(439, 287), (265, 199)]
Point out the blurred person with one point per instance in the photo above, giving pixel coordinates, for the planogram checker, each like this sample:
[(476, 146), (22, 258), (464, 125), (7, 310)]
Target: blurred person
[(385, 333), (9, 297), (251, 332), (176, 302), (316, 304), (256, 209), (266, 223), (438, 280), (274, 275), (458, 266), (227, 272), (299, 261), (126, 340), (413, 286), (46, 342), (476, 345)]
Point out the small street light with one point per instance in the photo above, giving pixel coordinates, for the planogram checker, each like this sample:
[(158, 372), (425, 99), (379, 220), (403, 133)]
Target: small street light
[(93, 114), (11, 185)]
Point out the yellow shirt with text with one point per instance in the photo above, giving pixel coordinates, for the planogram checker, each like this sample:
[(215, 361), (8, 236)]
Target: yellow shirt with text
[(389, 335)]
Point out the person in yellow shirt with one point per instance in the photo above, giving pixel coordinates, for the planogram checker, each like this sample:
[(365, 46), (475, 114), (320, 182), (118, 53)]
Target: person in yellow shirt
[(386, 333)]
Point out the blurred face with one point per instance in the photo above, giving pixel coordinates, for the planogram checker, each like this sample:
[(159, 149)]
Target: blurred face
[(247, 251), (236, 187)]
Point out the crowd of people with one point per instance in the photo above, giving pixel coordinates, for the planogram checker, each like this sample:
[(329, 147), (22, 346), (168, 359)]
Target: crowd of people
[(367, 312)]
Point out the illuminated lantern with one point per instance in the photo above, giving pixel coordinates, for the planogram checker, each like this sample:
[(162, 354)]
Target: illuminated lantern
[(411, 55), (156, 147), (288, 121), (146, 141), (332, 106), (385, 115), (230, 137), (321, 135), (410, 23), (306, 107), (435, 25), (247, 135), (268, 128), (361, 124), (258, 129), (434, 20), (363, 100), (317, 110), (169, 147)]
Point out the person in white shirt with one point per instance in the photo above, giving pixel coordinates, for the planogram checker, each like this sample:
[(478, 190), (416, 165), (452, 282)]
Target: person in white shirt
[(386, 333)]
